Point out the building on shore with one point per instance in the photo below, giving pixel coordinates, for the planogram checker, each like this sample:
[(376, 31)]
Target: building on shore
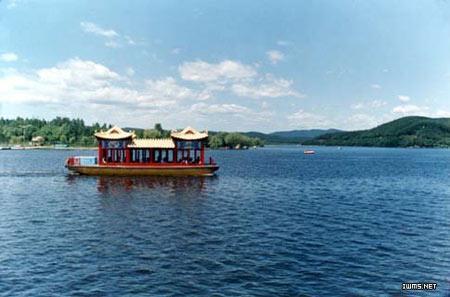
[(37, 141)]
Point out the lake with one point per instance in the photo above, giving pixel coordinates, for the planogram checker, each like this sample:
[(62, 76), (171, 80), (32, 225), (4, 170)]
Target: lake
[(273, 222)]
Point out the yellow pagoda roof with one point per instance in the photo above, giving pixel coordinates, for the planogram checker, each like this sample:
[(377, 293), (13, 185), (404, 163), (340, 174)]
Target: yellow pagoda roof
[(164, 143), (115, 133), (189, 133)]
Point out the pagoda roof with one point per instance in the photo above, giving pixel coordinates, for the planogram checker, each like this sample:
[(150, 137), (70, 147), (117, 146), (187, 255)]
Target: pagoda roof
[(189, 133), (115, 133), (164, 143)]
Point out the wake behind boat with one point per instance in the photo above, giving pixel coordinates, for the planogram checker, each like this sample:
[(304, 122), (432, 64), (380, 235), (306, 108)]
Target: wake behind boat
[(121, 153)]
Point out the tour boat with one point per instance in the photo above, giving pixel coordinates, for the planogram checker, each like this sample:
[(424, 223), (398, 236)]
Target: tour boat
[(121, 153), (309, 152)]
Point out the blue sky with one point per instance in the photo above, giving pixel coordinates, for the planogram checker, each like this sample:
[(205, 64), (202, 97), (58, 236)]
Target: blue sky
[(226, 65)]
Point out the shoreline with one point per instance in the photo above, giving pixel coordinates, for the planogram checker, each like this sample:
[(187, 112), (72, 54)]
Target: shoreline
[(93, 148), (23, 148)]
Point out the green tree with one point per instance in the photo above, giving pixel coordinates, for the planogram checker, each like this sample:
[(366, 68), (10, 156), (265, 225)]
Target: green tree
[(234, 139), (158, 127), (152, 133), (215, 141)]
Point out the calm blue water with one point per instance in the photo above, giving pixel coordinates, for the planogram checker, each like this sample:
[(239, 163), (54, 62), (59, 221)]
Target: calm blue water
[(274, 222)]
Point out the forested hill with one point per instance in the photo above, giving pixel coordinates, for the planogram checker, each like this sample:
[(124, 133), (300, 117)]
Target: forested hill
[(289, 137), (405, 132)]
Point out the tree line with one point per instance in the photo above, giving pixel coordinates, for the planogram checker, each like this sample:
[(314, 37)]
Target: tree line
[(233, 140), (58, 130), (75, 132)]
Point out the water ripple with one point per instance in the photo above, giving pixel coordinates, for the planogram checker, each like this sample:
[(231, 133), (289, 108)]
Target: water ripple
[(351, 222)]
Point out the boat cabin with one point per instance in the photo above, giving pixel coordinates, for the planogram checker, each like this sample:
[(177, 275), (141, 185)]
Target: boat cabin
[(118, 147)]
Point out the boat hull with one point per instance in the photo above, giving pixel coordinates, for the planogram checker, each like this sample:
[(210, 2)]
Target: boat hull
[(117, 170)]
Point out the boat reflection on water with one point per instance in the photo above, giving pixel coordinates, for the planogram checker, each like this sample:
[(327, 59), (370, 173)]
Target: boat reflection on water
[(115, 185), (175, 184)]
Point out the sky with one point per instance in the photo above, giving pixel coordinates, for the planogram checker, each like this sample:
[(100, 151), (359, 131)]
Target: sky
[(234, 65)]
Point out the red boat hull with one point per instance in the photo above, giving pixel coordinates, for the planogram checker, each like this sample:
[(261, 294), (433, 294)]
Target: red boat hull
[(164, 170)]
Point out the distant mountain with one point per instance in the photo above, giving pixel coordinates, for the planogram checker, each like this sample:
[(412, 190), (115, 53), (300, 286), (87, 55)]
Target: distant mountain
[(293, 136), (279, 137), (304, 134), (405, 132)]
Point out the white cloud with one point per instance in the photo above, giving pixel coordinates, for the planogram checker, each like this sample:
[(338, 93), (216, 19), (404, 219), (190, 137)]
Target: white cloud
[(442, 113), (375, 86), (72, 79), (98, 89), (209, 90), (358, 105), (268, 87), (85, 83), (204, 108), (362, 121), (403, 98), (240, 79), (410, 109), (275, 56), (129, 40), (130, 71), (176, 51), (76, 71), (307, 120), (8, 57), (201, 71), (371, 104), (89, 27), (111, 37), (112, 44), (377, 103), (282, 43), (12, 4), (227, 114), (169, 89)]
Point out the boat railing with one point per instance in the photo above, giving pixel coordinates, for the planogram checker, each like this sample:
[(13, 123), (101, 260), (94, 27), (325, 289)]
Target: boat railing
[(92, 161), (81, 161), (212, 161), (70, 161)]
